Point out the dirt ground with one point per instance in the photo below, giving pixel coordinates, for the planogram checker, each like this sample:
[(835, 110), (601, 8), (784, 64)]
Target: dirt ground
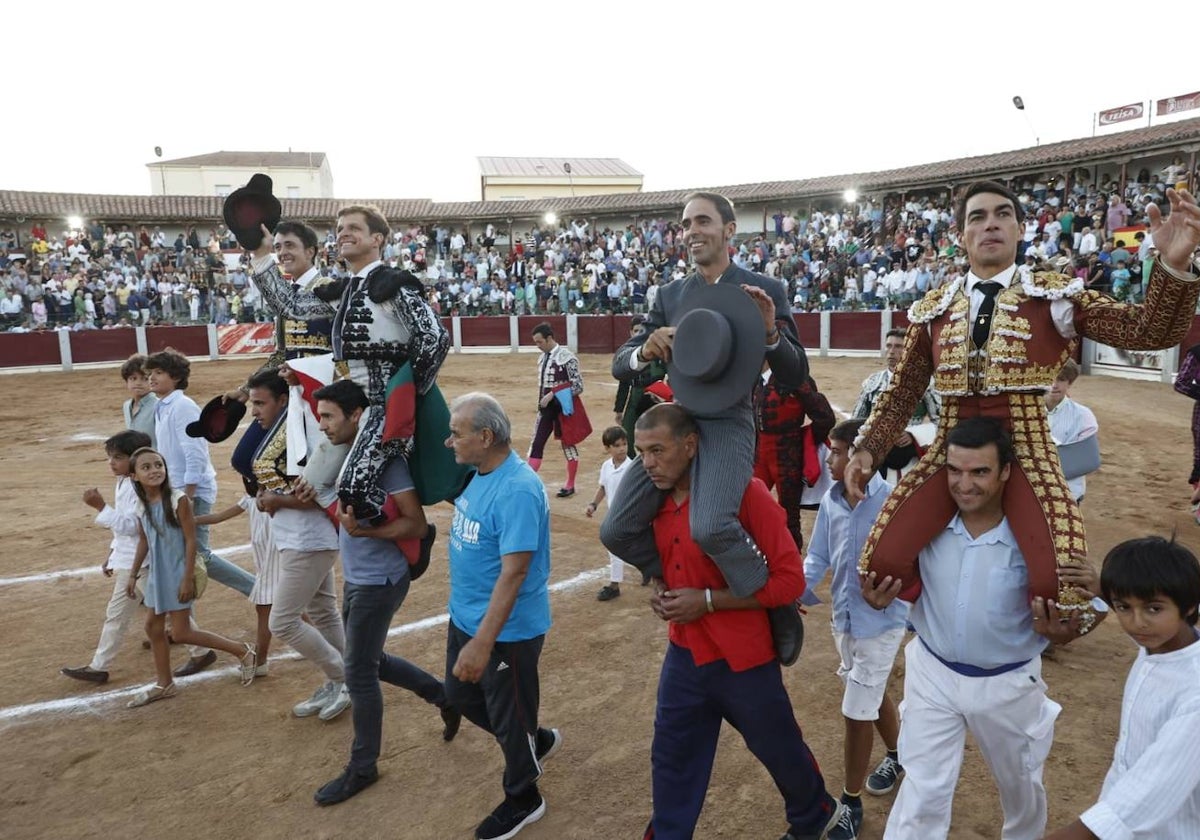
[(221, 761)]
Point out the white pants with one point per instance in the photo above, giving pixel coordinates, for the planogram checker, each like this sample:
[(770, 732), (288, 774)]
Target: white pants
[(616, 572), (121, 610), (1010, 718)]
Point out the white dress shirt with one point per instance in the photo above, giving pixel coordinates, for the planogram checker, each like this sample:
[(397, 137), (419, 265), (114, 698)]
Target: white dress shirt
[(186, 457), (121, 517), (1152, 789), (974, 607)]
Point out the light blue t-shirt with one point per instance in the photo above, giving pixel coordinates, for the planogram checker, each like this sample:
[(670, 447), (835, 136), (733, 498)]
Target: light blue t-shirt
[(369, 561), (503, 512)]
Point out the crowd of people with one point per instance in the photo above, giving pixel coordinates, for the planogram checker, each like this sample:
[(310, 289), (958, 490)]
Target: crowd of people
[(863, 255), (920, 531)]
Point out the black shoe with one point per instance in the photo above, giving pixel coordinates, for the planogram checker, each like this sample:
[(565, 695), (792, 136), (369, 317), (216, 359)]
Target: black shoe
[(452, 718), (885, 777), (511, 816), (546, 743), (415, 570), (566, 492), (86, 673), (349, 784), (608, 592), (787, 632), (851, 820), (195, 666)]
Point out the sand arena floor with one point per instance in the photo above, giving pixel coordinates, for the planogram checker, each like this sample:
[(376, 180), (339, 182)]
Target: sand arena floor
[(221, 761)]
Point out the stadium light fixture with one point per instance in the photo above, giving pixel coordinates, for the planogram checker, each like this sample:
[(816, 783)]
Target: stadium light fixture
[(551, 219), (850, 195), (74, 222)]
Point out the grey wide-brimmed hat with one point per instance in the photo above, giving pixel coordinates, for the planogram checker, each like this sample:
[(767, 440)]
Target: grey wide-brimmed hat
[(718, 349)]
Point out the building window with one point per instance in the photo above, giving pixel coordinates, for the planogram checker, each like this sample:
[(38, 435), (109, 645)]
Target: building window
[(223, 190), (293, 192)]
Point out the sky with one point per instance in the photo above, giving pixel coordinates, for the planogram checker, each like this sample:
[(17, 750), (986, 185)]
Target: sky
[(691, 95)]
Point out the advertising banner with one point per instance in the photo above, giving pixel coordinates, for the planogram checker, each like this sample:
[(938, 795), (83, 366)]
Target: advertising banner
[(1119, 115), (242, 339), (1175, 104)]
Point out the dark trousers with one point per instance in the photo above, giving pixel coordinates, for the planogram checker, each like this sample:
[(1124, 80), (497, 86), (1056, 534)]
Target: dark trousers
[(367, 613), (692, 703), (504, 703)]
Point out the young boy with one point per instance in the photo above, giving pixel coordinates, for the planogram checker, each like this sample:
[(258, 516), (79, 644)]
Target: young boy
[(616, 444), (191, 470), (122, 519), (1152, 789), (867, 640), (139, 408)]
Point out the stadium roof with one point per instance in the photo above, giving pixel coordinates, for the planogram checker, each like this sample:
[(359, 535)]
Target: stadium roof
[(544, 167), (1176, 137), (297, 160)]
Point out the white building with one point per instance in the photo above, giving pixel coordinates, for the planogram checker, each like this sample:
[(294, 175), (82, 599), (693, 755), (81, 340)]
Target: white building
[(295, 174), (518, 179)]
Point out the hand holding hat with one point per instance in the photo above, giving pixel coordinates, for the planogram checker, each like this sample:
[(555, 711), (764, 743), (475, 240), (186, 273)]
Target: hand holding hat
[(249, 208)]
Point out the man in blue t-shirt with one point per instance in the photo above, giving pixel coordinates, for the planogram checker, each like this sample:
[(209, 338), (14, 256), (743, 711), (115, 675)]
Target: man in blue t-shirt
[(499, 605), (375, 572)]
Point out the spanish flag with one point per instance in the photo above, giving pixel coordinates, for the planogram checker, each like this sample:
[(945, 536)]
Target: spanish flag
[(400, 405)]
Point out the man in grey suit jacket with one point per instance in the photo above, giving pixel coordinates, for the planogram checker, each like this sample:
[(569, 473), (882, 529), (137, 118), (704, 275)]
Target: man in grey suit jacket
[(725, 459)]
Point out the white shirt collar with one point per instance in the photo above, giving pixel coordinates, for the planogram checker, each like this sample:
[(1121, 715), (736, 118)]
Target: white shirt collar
[(306, 279), (1001, 533), (367, 269), (1004, 278)]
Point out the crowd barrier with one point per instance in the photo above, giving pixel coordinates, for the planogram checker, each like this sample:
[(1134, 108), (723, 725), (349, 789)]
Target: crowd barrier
[(823, 333)]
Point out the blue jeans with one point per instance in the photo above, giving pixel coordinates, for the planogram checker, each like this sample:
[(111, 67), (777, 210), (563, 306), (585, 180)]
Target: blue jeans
[(367, 613), (219, 569)]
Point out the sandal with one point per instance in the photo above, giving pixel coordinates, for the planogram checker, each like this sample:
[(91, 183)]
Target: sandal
[(248, 664), (152, 694)]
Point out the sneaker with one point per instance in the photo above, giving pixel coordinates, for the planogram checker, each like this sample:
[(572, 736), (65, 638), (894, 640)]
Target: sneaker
[(608, 592), (850, 822), (510, 817), (314, 704), (350, 783), (339, 701), (566, 493), (885, 778), (546, 743), (86, 673), (835, 820)]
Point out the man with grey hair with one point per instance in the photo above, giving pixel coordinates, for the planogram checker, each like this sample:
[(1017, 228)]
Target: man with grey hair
[(499, 605)]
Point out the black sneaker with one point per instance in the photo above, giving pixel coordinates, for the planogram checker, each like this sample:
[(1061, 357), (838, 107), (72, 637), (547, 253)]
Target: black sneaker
[(546, 743), (885, 778), (607, 593), (511, 816), (349, 784), (452, 720), (850, 821), (566, 493)]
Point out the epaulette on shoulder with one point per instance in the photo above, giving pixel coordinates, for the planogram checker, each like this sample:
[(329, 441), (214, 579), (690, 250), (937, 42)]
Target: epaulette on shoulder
[(935, 302), (1051, 285)]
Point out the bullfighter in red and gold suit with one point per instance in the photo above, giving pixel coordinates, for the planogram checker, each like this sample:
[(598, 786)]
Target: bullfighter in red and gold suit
[(993, 343)]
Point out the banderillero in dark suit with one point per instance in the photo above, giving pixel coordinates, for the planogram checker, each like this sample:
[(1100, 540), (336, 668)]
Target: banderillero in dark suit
[(725, 456)]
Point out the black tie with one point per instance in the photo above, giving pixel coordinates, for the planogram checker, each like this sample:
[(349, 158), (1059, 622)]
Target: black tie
[(983, 321)]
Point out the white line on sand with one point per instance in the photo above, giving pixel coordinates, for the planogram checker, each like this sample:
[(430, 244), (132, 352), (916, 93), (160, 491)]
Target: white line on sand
[(95, 569), (91, 703)]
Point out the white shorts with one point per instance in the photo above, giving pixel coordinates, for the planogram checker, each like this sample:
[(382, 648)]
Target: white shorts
[(866, 665)]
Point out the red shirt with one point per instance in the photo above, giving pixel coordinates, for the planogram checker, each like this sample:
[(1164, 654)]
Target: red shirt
[(741, 637)]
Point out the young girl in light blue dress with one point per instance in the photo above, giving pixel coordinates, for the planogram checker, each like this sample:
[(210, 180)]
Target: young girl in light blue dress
[(168, 543)]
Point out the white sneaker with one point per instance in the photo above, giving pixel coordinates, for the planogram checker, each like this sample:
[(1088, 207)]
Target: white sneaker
[(314, 704), (339, 701)]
